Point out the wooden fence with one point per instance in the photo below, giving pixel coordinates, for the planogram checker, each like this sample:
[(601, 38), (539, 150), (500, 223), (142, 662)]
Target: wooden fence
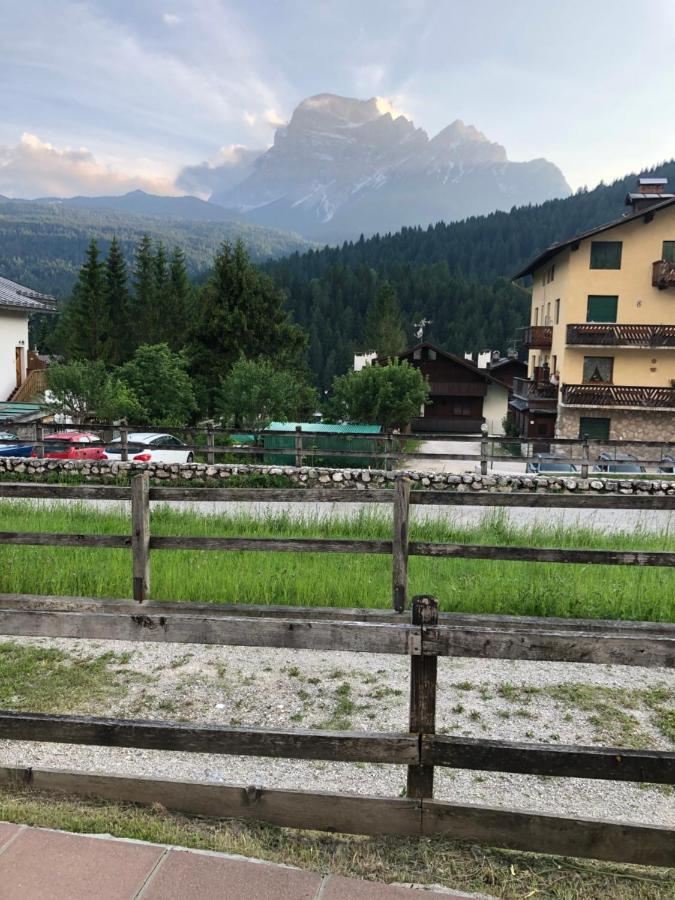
[(424, 636), (387, 449)]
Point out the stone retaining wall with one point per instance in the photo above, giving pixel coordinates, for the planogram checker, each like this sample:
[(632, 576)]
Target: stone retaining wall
[(308, 476)]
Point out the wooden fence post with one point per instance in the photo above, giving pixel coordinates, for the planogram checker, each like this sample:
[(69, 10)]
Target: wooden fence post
[(124, 442), (210, 444), (400, 543), (423, 670), (298, 446), (39, 441), (484, 454), (585, 457), (140, 535)]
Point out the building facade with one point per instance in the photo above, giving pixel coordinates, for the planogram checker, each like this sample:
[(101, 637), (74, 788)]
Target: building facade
[(16, 304), (601, 339), (462, 397)]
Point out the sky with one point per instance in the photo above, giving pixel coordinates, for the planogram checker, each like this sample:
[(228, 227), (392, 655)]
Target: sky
[(105, 96)]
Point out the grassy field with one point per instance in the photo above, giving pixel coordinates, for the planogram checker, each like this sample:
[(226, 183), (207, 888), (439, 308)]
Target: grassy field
[(619, 592)]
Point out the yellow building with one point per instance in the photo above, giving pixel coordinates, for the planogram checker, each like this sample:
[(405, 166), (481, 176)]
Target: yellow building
[(601, 339)]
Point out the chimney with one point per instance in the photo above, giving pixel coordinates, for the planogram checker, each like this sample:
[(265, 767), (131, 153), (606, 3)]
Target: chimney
[(650, 191)]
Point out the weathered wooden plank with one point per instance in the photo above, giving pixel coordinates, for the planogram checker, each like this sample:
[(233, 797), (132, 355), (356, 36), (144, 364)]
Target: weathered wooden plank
[(564, 646), (347, 813), (360, 637), (271, 545), (342, 746), (520, 830), (272, 495), (653, 766), (140, 536), (500, 622), (543, 554), (545, 500), (400, 544), (423, 681), (57, 539), (36, 490)]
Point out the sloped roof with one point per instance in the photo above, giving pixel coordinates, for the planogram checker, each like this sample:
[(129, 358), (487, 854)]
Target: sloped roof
[(554, 249), (465, 363), (16, 296)]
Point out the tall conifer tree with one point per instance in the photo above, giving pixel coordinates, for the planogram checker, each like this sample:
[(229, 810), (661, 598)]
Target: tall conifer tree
[(121, 342), (384, 332), (143, 304), (87, 319)]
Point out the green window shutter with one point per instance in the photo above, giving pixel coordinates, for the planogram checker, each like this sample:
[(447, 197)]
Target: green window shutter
[(606, 254), (601, 308), (668, 251), (594, 429)]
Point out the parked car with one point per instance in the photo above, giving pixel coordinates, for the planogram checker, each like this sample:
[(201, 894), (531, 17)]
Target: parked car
[(146, 446), (17, 448), (549, 462), (667, 465), (618, 464), (73, 445)]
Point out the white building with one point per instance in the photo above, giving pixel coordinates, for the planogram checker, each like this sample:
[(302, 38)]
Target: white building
[(16, 304)]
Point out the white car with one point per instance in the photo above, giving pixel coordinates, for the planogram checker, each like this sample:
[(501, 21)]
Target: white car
[(148, 446)]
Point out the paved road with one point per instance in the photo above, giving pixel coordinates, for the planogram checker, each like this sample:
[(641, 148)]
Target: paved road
[(608, 521), (458, 467)]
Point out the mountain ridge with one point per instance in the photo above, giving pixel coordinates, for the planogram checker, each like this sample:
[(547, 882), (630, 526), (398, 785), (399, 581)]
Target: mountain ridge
[(342, 167)]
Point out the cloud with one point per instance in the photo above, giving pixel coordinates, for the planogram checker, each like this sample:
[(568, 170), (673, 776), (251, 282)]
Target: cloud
[(170, 19), (391, 106), (218, 175), (33, 168)]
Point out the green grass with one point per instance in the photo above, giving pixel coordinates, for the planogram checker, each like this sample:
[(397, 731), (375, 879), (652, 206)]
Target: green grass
[(42, 679), (613, 592), (507, 874)]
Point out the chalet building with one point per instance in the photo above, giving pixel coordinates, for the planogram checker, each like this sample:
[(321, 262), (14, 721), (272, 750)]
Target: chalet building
[(601, 339), (16, 365), (463, 397)]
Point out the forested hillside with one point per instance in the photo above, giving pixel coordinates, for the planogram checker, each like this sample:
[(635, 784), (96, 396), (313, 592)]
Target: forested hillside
[(457, 275), (43, 244)]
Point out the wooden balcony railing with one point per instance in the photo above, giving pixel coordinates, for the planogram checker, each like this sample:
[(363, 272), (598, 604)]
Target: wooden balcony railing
[(538, 336), (458, 388), (593, 334), (534, 390), (663, 274), (626, 396)]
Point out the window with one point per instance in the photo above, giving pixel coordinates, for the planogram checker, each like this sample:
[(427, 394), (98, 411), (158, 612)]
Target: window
[(417, 354), (547, 321), (556, 307), (668, 251), (462, 408), (606, 254), (536, 315), (601, 308), (594, 429), (598, 369), (432, 354)]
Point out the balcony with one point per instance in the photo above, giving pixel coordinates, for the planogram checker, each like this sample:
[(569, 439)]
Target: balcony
[(593, 334), (619, 396), (663, 274), (457, 388), (538, 337), (534, 390)]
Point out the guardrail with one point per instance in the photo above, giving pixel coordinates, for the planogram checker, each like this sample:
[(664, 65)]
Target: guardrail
[(424, 637)]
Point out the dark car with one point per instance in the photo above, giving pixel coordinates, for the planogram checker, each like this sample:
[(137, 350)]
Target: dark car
[(667, 465), (16, 448), (545, 463), (618, 464)]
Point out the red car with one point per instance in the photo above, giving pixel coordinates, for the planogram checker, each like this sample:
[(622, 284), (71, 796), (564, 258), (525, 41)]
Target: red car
[(73, 445)]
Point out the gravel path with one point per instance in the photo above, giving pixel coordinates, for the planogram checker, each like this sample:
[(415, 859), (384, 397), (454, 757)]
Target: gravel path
[(554, 703)]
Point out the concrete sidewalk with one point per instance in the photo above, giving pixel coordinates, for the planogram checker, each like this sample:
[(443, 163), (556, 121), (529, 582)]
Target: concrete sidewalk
[(39, 864)]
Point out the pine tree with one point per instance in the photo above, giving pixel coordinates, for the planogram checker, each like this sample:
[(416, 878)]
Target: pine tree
[(158, 325), (241, 313), (179, 307), (87, 320), (383, 331), (143, 304), (121, 344)]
